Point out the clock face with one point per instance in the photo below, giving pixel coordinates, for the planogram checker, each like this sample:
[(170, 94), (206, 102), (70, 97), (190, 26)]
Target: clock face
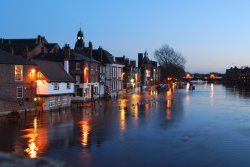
[(79, 38)]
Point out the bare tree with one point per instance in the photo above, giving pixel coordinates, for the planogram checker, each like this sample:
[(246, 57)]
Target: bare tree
[(172, 63)]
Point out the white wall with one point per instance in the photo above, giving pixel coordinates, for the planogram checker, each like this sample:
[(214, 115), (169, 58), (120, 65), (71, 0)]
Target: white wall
[(45, 88), (42, 87), (62, 88)]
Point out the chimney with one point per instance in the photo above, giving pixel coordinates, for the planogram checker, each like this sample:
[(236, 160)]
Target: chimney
[(90, 45), (39, 39), (100, 56), (66, 54), (140, 57), (66, 51)]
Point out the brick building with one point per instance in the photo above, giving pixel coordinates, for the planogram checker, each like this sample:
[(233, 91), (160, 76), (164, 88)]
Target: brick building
[(17, 83)]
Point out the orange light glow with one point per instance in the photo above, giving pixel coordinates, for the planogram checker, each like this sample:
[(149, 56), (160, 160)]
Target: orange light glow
[(168, 114), (212, 76), (85, 129), (122, 120), (86, 75), (33, 71), (37, 140)]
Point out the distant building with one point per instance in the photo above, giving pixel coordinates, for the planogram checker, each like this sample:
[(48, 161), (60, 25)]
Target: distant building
[(131, 74), (17, 83), (148, 69), (28, 48)]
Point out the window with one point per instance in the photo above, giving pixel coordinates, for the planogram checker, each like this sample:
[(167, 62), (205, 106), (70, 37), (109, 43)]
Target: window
[(19, 92), (58, 101), (77, 79), (78, 66), (52, 102), (18, 73), (65, 100), (79, 92), (68, 86), (56, 86)]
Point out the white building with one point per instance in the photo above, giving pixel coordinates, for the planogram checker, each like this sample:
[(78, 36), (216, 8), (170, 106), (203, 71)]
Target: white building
[(55, 86)]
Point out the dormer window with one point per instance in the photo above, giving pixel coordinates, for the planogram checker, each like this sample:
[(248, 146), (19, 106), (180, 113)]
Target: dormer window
[(18, 73)]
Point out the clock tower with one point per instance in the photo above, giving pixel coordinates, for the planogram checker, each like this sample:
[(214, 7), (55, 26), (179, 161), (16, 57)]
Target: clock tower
[(79, 41)]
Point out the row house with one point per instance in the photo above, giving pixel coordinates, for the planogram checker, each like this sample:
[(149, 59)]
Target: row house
[(107, 79), (17, 83), (131, 75), (85, 70), (33, 49), (111, 73), (149, 70), (55, 87)]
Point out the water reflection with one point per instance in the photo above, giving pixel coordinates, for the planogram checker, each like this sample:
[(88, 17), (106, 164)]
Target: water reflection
[(70, 135), (235, 91), (212, 94), (37, 139), (169, 104), (85, 130)]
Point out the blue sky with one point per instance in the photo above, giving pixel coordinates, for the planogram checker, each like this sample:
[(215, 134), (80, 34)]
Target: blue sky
[(211, 34)]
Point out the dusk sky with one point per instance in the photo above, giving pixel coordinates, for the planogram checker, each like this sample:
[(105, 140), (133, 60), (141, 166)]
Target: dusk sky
[(211, 34)]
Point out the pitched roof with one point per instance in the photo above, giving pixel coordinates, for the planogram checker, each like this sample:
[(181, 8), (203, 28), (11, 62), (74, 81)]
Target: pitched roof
[(23, 40), (7, 58), (103, 56), (81, 57), (50, 46), (18, 48), (53, 71), (51, 56)]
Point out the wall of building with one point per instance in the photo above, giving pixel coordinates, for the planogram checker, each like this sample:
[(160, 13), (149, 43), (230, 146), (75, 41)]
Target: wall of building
[(45, 88), (8, 89), (55, 102)]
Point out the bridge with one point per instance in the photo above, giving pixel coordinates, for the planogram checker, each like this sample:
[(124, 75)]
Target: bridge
[(211, 77)]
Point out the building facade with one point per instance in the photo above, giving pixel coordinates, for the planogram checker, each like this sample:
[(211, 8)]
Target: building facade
[(55, 87), (112, 73), (17, 83)]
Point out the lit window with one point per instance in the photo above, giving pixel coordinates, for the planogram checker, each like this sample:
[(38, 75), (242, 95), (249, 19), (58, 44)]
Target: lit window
[(19, 92), (56, 86), (18, 73)]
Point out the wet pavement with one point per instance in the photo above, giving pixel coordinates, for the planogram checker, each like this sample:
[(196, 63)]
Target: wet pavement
[(209, 126)]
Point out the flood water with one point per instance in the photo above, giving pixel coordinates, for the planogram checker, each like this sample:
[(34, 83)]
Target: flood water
[(209, 126)]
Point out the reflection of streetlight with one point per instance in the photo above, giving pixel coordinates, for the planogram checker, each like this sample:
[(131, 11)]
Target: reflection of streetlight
[(85, 129)]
